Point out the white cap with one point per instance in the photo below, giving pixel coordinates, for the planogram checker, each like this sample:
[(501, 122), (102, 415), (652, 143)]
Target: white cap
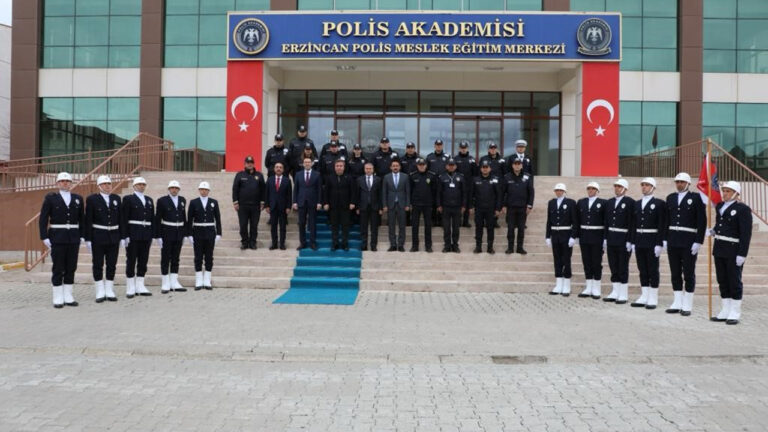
[(560, 186), (174, 183), (521, 143), (650, 180), (103, 179), (204, 185), (63, 176), (683, 177), (622, 182), (593, 185), (732, 185), (139, 180)]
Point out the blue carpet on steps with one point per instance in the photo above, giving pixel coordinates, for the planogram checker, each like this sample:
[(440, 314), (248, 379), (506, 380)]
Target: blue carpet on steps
[(325, 277)]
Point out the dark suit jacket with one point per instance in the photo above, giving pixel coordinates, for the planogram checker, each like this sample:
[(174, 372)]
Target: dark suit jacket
[(98, 213), (364, 198), (279, 200), (735, 222), (208, 214), (307, 194), (403, 191), (166, 211), (56, 212), (134, 210), (338, 191)]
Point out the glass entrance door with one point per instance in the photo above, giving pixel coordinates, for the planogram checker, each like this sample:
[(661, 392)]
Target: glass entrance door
[(479, 133), (366, 131)]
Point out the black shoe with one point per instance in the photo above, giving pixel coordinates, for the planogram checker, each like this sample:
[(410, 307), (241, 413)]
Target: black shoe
[(392, 249), (639, 305), (314, 246), (373, 249), (478, 249), (112, 299), (164, 292), (282, 246), (243, 246), (254, 246), (456, 249), (428, 249), (414, 249), (685, 313), (333, 248), (466, 225), (621, 302), (672, 311), (346, 248), (565, 294), (508, 251), (198, 288), (609, 300), (209, 288), (73, 304), (100, 299), (179, 289), (401, 248), (732, 321), (447, 249), (650, 307), (522, 251), (491, 251), (130, 296), (497, 225), (301, 247), (582, 295), (364, 248), (58, 306), (594, 297), (273, 247), (716, 319)]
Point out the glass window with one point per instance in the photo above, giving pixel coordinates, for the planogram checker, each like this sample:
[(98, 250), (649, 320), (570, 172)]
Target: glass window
[(719, 9), (719, 60), (524, 5), (211, 108), (181, 56), (632, 59), (640, 121), (178, 7), (181, 29), (212, 56), (123, 129), (211, 135), (719, 34), (213, 30), (659, 8), (90, 108), (58, 108), (402, 102), (216, 6), (59, 31), (125, 7), (485, 5), (124, 56), (92, 7), (91, 56), (362, 102), (182, 133), (516, 103), (752, 34), (626, 7), (659, 32), (401, 130), (752, 115), (125, 30), (718, 114), (293, 102), (190, 122), (321, 102), (59, 7), (180, 108), (58, 57), (479, 103), (588, 5), (630, 113), (354, 4), (123, 108), (546, 104), (254, 5), (432, 128), (314, 5), (91, 30), (752, 9), (752, 61), (632, 32), (659, 59), (436, 102), (393, 5)]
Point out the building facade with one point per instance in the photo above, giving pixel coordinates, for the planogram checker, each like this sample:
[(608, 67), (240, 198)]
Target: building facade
[(5, 91), (90, 74)]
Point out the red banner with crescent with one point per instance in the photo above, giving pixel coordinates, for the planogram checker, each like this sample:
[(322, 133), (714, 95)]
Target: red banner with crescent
[(245, 82), (600, 119)]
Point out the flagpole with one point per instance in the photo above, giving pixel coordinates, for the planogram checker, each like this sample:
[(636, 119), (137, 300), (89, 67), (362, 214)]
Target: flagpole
[(709, 223)]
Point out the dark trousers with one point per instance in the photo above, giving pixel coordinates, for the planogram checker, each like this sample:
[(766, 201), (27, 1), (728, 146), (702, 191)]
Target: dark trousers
[(248, 215), (169, 256), (418, 213), (516, 218), (277, 219), (562, 256), (484, 219), (451, 224), (137, 255), (307, 216), (64, 257), (465, 217), (729, 277), (101, 253), (203, 251), (396, 220), (369, 219), (340, 219), (682, 263), (618, 261), (437, 217), (592, 258), (648, 265)]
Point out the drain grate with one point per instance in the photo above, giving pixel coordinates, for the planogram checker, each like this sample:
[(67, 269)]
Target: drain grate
[(518, 360)]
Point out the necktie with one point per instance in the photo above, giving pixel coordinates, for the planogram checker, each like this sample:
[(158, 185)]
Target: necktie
[(396, 180), (369, 182), (306, 177), (277, 184)]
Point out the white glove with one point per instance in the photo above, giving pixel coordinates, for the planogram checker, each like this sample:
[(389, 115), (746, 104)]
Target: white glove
[(47, 243), (633, 248), (127, 241), (82, 240), (665, 245), (549, 242), (122, 243), (740, 261), (695, 248), (710, 232), (191, 240), (159, 242), (218, 237), (657, 250), (605, 244), (571, 242), (630, 247), (89, 246)]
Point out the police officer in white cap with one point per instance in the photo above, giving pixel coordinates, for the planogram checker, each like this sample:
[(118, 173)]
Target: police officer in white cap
[(61, 224), (732, 232), (686, 226), (591, 212), (103, 236), (619, 219), (562, 231), (204, 229), (138, 214), (648, 240), (520, 146), (170, 231)]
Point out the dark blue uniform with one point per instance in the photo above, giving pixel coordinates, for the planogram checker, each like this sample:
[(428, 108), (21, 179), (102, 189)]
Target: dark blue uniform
[(138, 223), (466, 166), (204, 224), (451, 197), (618, 229), (436, 162), (408, 163), (327, 149), (498, 164), (104, 230), (248, 190), (517, 199), (423, 199), (277, 154), (62, 224), (527, 163), (686, 225), (733, 233), (591, 235), (171, 227), (328, 161), (562, 225), (649, 225), (296, 152), (356, 166), (382, 160), (485, 198)]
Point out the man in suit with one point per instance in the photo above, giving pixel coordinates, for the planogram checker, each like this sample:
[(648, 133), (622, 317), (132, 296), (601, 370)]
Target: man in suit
[(137, 219), (170, 231), (591, 220), (368, 203), (61, 224), (278, 204), (648, 242), (619, 222), (338, 189), (395, 201), (562, 232), (204, 229), (307, 194), (103, 234)]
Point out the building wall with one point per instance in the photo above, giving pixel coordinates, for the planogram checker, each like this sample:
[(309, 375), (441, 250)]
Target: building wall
[(5, 92)]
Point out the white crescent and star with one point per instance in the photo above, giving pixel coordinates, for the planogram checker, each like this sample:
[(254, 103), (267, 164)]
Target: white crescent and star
[(600, 103), (250, 101)]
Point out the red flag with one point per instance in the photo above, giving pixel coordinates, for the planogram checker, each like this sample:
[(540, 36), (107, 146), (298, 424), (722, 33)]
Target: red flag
[(244, 112), (600, 119), (704, 177)]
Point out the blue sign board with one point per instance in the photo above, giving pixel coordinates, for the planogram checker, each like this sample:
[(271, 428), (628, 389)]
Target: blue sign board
[(423, 36)]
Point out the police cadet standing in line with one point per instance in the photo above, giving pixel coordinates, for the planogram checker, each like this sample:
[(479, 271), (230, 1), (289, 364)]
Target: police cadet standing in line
[(408, 161), (137, 219), (591, 214), (467, 167), (171, 229), (277, 203), (296, 148), (61, 224), (383, 157), (436, 164), (356, 162), (298, 164), (733, 233), (485, 200), (517, 203), (686, 226), (423, 192), (451, 202), (278, 153), (368, 202), (248, 191), (520, 146), (498, 168), (328, 160), (340, 147), (619, 222), (307, 197), (561, 235), (338, 190), (648, 242), (103, 234), (204, 229), (395, 201)]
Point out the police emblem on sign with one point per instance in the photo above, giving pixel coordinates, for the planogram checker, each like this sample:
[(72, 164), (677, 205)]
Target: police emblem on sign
[(594, 36), (250, 36)]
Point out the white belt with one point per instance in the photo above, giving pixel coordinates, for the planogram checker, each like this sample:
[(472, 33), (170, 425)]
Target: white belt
[(647, 231), (173, 224), (728, 239), (592, 227), (65, 226), (561, 228), (106, 227), (621, 230), (204, 224), (679, 228), (138, 222)]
